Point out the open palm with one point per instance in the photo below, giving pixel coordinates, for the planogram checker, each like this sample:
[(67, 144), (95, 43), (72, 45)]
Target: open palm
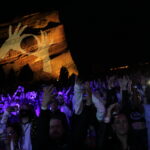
[(13, 41), (43, 51)]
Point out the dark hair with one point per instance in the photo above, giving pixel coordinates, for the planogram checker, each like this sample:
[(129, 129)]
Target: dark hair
[(31, 110), (63, 121), (113, 117)]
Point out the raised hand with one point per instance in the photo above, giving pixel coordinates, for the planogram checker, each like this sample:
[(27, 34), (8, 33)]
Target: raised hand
[(78, 81), (123, 83), (67, 92), (87, 86), (43, 51), (98, 92), (111, 107), (129, 86), (110, 82), (88, 92), (48, 95), (94, 85), (99, 105), (109, 112), (77, 99), (14, 40)]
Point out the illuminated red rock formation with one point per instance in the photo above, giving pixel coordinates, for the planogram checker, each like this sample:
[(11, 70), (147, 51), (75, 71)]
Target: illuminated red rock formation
[(45, 52)]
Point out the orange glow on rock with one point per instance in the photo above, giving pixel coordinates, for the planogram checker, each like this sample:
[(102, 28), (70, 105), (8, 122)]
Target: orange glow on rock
[(44, 48)]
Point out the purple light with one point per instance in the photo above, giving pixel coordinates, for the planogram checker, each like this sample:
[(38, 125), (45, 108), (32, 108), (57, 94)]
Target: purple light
[(31, 95), (37, 111), (60, 93)]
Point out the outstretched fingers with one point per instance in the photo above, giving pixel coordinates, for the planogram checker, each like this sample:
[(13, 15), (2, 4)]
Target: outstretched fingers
[(51, 39), (10, 31), (49, 89), (45, 37), (22, 29), (17, 29), (42, 36), (38, 41)]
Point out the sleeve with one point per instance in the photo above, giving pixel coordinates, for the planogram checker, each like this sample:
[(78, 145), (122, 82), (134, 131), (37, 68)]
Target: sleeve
[(100, 108), (77, 99), (4, 121), (5, 117)]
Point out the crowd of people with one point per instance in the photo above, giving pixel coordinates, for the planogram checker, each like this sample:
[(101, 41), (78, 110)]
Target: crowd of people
[(102, 114)]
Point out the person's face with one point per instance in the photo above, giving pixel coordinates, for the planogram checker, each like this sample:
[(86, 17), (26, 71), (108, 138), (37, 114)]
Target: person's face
[(56, 129), (120, 125), (24, 111)]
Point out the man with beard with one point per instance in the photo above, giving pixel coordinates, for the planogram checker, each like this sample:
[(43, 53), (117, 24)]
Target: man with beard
[(28, 122), (53, 126)]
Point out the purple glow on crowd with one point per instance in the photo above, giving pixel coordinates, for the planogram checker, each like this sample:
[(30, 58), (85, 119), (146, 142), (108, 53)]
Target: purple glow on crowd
[(31, 97)]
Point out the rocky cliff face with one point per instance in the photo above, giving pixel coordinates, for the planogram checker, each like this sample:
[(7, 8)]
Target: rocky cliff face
[(37, 40)]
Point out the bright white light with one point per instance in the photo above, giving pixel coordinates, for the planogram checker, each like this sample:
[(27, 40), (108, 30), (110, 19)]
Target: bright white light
[(148, 82)]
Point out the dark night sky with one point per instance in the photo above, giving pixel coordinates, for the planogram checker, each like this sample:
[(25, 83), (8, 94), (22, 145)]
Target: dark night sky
[(104, 33)]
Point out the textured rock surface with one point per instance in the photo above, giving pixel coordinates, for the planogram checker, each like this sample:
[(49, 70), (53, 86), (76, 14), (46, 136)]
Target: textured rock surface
[(43, 64)]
